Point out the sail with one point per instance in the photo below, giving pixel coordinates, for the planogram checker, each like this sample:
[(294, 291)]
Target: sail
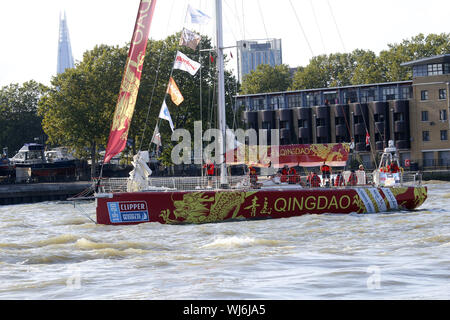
[(130, 81)]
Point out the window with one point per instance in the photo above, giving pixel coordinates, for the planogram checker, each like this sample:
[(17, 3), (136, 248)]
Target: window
[(435, 69), (442, 94), (420, 71), (424, 115), (405, 93), (302, 123), (389, 93), (443, 115), (294, 101), (425, 135), (444, 135), (446, 68), (424, 95), (284, 124)]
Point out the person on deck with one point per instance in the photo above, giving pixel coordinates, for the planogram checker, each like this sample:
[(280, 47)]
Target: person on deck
[(253, 176), (284, 173), (326, 170), (352, 179), (314, 180), (294, 178), (339, 181), (393, 167)]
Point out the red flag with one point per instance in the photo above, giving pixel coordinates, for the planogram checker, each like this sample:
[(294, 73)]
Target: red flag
[(367, 139), (211, 58), (130, 81)]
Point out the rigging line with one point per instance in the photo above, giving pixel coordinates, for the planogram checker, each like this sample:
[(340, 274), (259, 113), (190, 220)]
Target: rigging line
[(318, 25), (301, 27), (151, 97), (155, 84), (243, 18), (367, 131), (346, 121), (335, 23), (262, 18)]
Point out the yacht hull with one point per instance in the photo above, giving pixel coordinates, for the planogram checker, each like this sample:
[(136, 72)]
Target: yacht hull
[(194, 207)]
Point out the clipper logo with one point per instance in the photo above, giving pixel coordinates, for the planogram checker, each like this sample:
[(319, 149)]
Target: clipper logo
[(130, 211)]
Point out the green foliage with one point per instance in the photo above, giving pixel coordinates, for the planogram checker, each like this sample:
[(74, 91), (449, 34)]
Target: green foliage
[(19, 121), (364, 66), (266, 79)]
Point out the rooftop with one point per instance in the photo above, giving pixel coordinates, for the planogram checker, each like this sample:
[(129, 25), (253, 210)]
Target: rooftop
[(443, 58)]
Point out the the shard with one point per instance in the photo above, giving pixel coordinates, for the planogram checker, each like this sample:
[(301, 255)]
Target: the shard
[(65, 58)]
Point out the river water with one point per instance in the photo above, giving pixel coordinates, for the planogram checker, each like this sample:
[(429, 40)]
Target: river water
[(51, 250)]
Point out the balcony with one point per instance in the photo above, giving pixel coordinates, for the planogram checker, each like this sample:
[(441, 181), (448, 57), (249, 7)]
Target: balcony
[(341, 130), (400, 126), (379, 127), (360, 129), (402, 144), (322, 131), (304, 133)]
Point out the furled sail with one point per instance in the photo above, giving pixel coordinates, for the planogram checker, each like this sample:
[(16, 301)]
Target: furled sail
[(130, 81)]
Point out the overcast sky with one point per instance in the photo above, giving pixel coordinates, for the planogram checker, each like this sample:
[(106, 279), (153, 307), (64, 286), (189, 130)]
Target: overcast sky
[(29, 28)]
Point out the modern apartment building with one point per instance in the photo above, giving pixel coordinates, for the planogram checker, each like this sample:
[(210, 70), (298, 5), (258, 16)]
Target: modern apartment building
[(252, 53), (414, 114)]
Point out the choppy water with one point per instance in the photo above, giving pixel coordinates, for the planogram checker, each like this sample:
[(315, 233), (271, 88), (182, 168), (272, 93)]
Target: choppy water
[(51, 251)]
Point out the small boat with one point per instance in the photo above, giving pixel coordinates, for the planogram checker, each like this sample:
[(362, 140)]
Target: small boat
[(180, 200), (33, 163)]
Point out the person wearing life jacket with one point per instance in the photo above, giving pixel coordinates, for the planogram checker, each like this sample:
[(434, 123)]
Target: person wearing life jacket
[(253, 176), (393, 168), (284, 173), (293, 177), (339, 181), (314, 180), (352, 179), (326, 170)]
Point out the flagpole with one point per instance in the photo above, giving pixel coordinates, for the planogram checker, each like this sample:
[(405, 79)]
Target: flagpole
[(221, 93)]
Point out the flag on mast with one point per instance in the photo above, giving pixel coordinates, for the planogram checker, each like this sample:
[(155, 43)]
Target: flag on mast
[(189, 39), (156, 137), (130, 82), (174, 92), (197, 17), (182, 62), (165, 114)]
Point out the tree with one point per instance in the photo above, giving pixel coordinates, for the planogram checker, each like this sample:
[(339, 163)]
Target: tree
[(364, 66), (266, 79), (314, 75), (19, 121), (76, 110)]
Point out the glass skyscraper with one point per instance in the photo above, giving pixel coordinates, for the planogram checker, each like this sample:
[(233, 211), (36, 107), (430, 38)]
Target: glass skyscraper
[(65, 58)]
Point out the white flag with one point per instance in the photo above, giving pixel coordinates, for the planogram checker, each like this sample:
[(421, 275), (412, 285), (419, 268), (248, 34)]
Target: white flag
[(156, 137), (197, 17), (182, 62), (189, 39), (164, 114)]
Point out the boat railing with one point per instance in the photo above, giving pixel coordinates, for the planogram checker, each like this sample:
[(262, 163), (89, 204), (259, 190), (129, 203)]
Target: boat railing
[(111, 185)]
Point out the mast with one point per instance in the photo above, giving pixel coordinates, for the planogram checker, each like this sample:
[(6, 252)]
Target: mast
[(221, 92)]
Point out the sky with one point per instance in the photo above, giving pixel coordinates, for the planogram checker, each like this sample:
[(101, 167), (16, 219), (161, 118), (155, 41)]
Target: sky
[(29, 28)]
